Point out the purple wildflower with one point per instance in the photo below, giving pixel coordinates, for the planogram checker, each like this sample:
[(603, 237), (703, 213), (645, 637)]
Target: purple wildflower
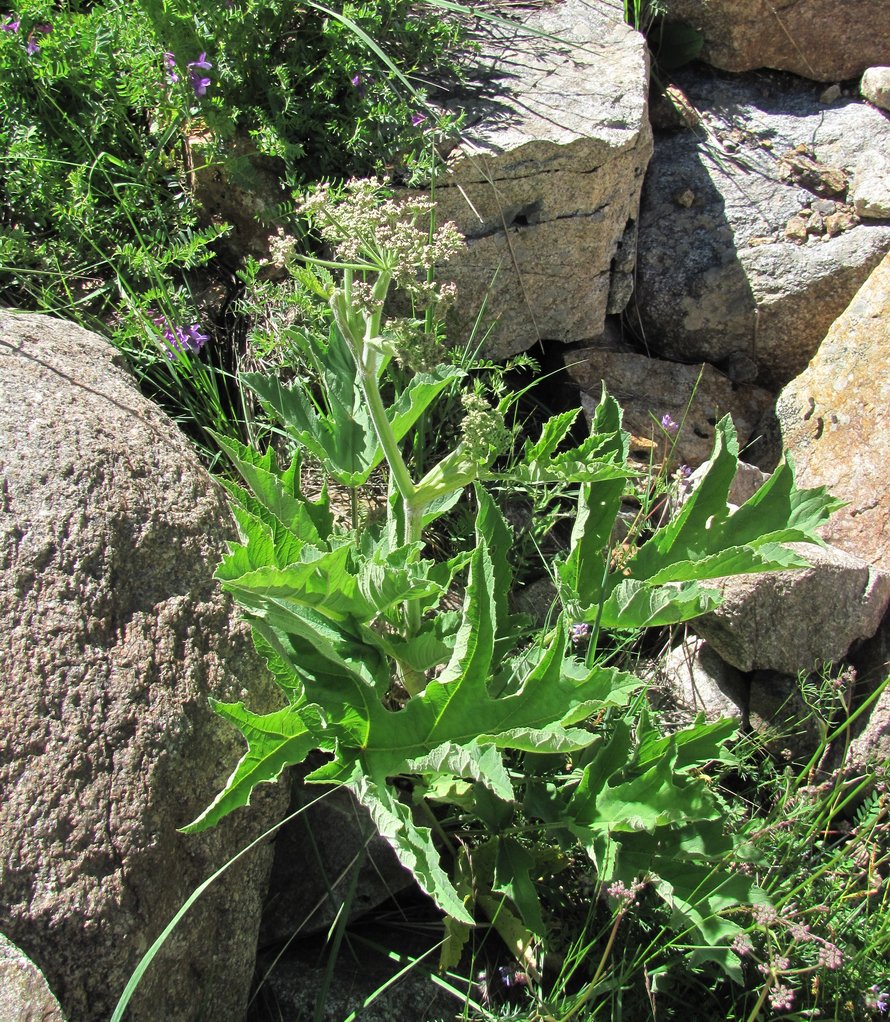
[(11, 26), (579, 632), (43, 29), (197, 340), (668, 424), (681, 477), (170, 62), (197, 81), (177, 338), (32, 47), (418, 119), (358, 84), (878, 1000)]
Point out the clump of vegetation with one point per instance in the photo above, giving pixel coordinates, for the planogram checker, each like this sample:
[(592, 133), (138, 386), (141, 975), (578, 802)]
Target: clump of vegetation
[(629, 869), (491, 752), (108, 112)]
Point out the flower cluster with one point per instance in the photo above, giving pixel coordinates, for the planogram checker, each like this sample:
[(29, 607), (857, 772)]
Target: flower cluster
[(668, 425), (379, 233), (579, 632), (778, 966), (781, 997), (484, 433), (179, 339), (415, 347), (198, 81), (681, 478), (626, 896)]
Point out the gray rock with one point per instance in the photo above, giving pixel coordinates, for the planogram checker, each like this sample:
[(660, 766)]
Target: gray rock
[(647, 388), (718, 278), (870, 188), (793, 621), (25, 995), (833, 420), (316, 855), (698, 681), (870, 748), (817, 39), (114, 635), (545, 183), (875, 86)]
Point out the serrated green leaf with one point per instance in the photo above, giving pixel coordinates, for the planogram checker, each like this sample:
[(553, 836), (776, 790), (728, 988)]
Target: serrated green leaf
[(696, 745), (553, 432), (267, 487), (475, 760), (343, 438), (413, 844), (705, 540), (474, 644), (388, 578), (320, 579), (274, 741), (285, 676), (585, 569), (329, 655), (634, 604)]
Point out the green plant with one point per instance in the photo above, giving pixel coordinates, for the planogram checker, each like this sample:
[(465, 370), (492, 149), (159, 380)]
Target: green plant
[(111, 112), (93, 187), (326, 90), (822, 945), (471, 735)]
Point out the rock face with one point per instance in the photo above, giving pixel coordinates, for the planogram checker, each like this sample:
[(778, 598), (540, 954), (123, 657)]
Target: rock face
[(833, 419), (816, 39), (648, 388), (546, 182), (24, 994), (792, 621), (870, 187), (875, 86), (870, 747), (749, 247), (114, 634), (698, 681)]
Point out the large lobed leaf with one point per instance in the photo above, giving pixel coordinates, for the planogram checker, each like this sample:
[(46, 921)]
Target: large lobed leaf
[(661, 582)]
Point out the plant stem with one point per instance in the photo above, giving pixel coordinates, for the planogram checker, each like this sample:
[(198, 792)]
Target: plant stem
[(383, 429), (761, 999), (592, 985)]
